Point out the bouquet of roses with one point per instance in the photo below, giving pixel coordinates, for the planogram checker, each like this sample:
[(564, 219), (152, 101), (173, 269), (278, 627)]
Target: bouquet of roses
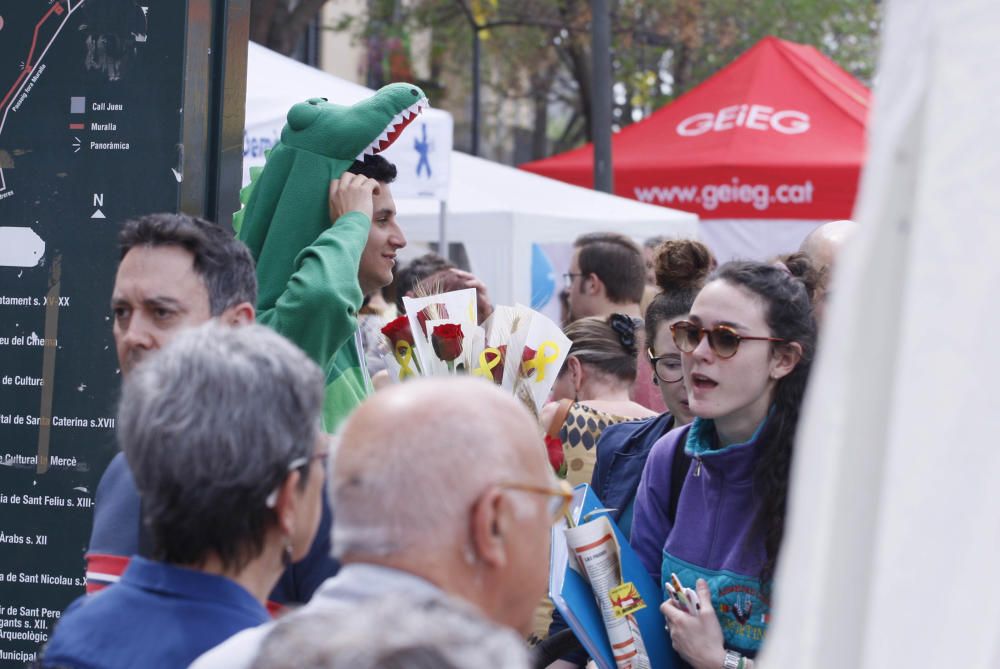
[(516, 348)]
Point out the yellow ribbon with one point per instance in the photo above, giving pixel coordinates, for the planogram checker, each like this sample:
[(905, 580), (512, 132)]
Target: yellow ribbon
[(541, 360), (403, 353), (485, 368)]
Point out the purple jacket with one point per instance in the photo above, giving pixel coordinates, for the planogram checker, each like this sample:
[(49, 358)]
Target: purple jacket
[(711, 536)]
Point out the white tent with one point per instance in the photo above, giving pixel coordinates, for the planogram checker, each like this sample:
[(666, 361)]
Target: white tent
[(498, 212), (894, 527)]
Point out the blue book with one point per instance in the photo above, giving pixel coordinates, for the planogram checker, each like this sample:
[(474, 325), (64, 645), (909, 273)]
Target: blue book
[(574, 599)]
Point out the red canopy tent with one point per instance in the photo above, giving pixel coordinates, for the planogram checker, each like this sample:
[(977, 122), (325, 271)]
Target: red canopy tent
[(778, 134)]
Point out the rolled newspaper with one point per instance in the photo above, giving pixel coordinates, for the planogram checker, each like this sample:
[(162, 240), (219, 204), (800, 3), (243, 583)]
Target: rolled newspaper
[(595, 549)]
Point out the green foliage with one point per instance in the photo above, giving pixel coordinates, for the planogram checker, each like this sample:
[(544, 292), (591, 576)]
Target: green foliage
[(538, 51)]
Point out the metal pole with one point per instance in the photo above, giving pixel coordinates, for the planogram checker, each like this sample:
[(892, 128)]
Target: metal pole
[(232, 32), (600, 99), (443, 230), (475, 90)]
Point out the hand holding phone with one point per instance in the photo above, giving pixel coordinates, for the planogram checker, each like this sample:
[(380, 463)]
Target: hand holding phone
[(685, 598)]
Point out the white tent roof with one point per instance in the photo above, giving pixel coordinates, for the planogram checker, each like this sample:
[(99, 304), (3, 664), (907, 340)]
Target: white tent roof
[(499, 212), (482, 185), (276, 82)]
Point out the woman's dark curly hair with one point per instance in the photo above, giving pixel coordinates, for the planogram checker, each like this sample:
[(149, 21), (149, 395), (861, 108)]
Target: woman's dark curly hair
[(681, 267), (788, 313)]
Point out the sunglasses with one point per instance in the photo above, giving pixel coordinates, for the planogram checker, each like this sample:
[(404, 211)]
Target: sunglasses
[(722, 339), (560, 495)]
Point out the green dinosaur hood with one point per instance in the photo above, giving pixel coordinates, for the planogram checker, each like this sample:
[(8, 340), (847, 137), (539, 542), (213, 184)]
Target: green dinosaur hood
[(286, 203)]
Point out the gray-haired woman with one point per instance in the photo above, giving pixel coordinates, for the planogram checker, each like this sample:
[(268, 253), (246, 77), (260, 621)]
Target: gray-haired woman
[(221, 431)]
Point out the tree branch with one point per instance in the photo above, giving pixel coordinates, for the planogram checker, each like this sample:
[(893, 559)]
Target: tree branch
[(468, 14)]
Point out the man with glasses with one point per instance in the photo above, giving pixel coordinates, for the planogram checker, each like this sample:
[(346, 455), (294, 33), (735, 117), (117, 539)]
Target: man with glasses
[(607, 275), (443, 491)]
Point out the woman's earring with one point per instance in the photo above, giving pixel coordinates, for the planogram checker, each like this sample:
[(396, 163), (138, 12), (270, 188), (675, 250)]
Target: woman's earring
[(286, 554)]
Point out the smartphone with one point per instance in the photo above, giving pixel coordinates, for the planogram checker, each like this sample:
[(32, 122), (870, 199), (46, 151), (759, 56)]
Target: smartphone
[(685, 598)]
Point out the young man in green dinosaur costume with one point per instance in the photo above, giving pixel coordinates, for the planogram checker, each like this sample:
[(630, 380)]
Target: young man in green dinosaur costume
[(323, 238)]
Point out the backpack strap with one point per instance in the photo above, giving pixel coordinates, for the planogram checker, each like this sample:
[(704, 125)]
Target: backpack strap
[(678, 472), (559, 417)]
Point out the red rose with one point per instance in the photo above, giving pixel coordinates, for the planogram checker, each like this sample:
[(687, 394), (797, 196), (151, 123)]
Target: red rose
[(527, 356), (447, 341), (398, 330), (432, 312), (491, 363), (554, 447), (497, 370)]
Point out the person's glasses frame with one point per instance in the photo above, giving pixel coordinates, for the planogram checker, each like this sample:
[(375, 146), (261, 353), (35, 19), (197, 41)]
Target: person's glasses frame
[(722, 339), (560, 495), (568, 278), (654, 360), (297, 463)]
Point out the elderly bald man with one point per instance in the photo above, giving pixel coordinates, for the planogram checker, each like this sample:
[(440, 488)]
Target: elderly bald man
[(442, 490), (823, 245)]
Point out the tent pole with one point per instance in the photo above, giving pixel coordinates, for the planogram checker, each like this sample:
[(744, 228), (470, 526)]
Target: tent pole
[(443, 250), (475, 89), (600, 98)]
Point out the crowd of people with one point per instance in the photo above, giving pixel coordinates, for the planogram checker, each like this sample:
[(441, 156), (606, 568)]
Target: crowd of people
[(278, 502)]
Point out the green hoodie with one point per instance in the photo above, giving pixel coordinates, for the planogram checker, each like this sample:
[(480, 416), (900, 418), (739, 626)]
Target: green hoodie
[(307, 270)]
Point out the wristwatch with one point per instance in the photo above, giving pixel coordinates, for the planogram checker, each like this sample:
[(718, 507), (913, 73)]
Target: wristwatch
[(733, 660)]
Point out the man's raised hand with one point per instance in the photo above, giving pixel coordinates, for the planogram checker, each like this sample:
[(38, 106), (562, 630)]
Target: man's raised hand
[(352, 192)]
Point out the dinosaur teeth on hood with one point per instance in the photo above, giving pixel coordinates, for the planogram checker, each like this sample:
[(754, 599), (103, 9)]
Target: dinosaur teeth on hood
[(393, 128), (417, 106), (369, 151)]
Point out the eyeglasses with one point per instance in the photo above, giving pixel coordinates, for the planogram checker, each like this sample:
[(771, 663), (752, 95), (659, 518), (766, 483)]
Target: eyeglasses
[(568, 278), (297, 463), (667, 367), (560, 495), (722, 339)]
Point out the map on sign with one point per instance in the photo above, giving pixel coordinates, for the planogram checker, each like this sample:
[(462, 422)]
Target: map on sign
[(91, 125), (26, 38), (23, 48)]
